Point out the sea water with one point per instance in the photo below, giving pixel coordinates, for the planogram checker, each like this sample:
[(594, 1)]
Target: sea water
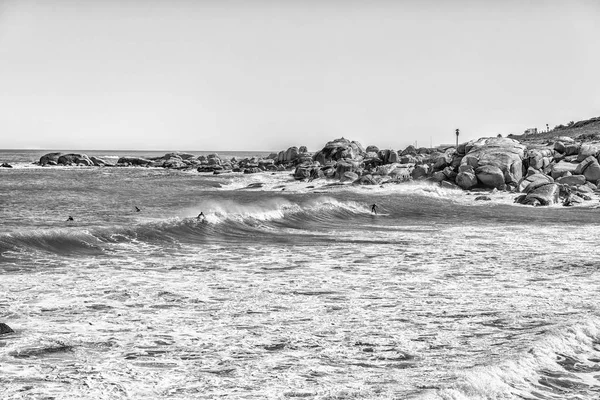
[(289, 290)]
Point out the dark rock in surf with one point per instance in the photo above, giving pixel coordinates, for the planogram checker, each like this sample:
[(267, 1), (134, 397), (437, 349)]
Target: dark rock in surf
[(543, 194), (99, 162), (4, 329), (483, 198), (75, 159), (6, 165), (49, 159), (366, 180), (133, 161)]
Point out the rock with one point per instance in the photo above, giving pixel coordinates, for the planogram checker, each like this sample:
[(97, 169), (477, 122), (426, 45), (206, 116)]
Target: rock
[(586, 151), (366, 180), (420, 172), (590, 168), (50, 157), (290, 154), (302, 150), (6, 165), (75, 159), (408, 159), (566, 139), (535, 178), (559, 147), (466, 180), (384, 170), (450, 174), (442, 161), (401, 174), (372, 149), (410, 150), (438, 177), (349, 176), (339, 149), (137, 161), (174, 163), (539, 158), (490, 176), (503, 153), (4, 329), (572, 149), (544, 195), (99, 162), (572, 180), (559, 169), (483, 198), (343, 166), (449, 185)]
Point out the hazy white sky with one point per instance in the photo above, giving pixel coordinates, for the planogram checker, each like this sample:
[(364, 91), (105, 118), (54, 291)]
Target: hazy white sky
[(266, 75)]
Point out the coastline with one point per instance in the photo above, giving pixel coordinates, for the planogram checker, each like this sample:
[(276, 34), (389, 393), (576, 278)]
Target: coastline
[(561, 170)]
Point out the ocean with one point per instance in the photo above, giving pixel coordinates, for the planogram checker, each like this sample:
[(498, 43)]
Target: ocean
[(289, 290)]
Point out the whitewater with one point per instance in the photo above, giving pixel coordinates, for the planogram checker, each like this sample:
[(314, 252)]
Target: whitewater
[(289, 289)]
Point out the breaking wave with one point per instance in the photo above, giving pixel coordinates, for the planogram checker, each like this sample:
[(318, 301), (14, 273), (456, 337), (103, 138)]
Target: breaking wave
[(224, 221), (564, 363)]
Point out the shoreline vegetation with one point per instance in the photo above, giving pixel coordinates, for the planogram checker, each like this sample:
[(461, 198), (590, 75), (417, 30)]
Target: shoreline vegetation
[(558, 166)]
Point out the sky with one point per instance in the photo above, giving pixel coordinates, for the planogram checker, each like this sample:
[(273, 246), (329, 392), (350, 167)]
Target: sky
[(266, 75)]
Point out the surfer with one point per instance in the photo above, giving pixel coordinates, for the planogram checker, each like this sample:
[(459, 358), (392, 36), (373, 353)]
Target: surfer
[(374, 208), (137, 209), (201, 216), (70, 219)]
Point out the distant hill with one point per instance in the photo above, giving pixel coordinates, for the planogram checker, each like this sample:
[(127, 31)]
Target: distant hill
[(587, 130)]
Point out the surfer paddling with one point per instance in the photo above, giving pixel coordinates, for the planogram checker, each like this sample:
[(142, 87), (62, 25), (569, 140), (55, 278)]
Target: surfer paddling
[(70, 219), (374, 208), (137, 209)]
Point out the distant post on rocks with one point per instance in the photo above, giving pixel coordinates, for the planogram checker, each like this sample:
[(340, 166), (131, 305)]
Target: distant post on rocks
[(457, 133)]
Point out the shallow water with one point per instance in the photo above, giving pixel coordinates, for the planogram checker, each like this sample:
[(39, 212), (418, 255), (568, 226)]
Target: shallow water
[(300, 293)]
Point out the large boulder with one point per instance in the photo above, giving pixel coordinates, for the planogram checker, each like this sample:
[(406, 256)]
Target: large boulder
[(572, 180), (590, 168), (339, 149), (572, 149), (74, 159), (49, 159), (586, 151), (546, 194), (344, 166), (503, 153), (420, 171), (490, 176), (562, 168), (539, 158), (466, 180), (532, 179), (290, 154)]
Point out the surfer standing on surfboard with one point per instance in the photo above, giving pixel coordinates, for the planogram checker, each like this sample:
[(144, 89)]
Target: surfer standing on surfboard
[(374, 208)]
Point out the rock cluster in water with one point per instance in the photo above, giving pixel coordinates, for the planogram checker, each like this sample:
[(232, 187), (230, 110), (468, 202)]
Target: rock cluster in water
[(563, 171)]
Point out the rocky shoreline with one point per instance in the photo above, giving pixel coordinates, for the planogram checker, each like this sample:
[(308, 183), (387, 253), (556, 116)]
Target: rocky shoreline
[(563, 171)]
